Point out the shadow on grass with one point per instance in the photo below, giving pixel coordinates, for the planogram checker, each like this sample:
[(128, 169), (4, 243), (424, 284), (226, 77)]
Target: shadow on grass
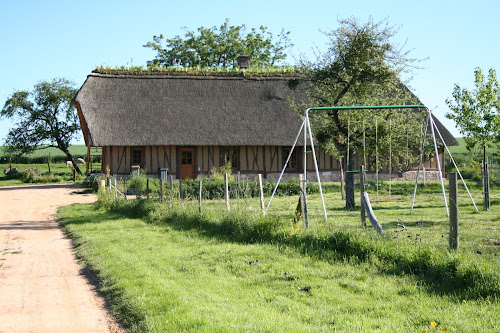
[(444, 276)]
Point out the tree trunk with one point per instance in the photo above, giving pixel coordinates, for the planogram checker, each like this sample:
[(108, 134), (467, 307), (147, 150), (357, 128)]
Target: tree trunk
[(71, 158), (350, 203)]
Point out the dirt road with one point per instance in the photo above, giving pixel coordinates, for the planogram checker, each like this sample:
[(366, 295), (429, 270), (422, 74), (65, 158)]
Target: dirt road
[(42, 288)]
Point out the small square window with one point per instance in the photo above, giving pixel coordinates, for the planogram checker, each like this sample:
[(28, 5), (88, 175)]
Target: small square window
[(186, 157)]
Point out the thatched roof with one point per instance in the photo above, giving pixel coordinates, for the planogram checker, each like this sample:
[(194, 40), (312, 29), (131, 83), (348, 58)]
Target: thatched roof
[(187, 110), (142, 110)]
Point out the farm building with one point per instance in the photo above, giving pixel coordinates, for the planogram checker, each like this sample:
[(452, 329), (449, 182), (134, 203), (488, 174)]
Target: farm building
[(189, 123)]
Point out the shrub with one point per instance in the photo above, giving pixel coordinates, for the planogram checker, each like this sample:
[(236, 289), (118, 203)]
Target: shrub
[(29, 175), (92, 181)]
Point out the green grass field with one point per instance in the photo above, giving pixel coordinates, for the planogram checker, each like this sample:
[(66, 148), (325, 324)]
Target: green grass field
[(174, 271)]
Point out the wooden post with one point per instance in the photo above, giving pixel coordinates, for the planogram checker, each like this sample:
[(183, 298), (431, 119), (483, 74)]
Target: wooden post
[(423, 172), (161, 189), (362, 179), (108, 183), (238, 188), (486, 185), (303, 200), (147, 188), (116, 189), (453, 239), (125, 188), (48, 162), (180, 188), (226, 190), (171, 184), (199, 195), (261, 192), (88, 161), (74, 175)]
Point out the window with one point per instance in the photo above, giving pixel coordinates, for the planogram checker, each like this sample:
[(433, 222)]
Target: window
[(137, 156), (293, 162), (231, 154), (186, 157)]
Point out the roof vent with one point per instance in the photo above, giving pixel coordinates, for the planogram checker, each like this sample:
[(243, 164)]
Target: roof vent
[(243, 61)]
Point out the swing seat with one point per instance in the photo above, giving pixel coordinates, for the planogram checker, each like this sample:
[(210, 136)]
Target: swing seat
[(369, 212)]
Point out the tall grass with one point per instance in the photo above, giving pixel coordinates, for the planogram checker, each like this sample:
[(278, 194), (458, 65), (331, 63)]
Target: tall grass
[(166, 267)]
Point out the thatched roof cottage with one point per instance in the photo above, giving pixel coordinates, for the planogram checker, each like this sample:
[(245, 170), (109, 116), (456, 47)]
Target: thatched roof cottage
[(191, 123)]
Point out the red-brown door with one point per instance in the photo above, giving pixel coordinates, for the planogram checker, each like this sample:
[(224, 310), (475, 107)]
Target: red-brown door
[(186, 163)]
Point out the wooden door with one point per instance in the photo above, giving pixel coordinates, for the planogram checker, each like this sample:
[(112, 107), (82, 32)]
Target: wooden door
[(186, 163)]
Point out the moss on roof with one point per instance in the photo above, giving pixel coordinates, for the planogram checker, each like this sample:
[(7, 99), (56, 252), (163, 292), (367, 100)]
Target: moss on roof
[(198, 71)]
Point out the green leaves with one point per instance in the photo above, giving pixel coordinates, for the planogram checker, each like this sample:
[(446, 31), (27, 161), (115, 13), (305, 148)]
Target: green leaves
[(219, 47), (43, 116), (362, 66), (477, 112)]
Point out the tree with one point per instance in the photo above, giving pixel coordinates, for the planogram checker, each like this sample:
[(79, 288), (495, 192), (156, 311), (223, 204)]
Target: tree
[(362, 66), (219, 47), (44, 118), (477, 114)]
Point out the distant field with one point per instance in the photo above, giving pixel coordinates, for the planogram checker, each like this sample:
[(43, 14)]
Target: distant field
[(462, 149), (74, 150)]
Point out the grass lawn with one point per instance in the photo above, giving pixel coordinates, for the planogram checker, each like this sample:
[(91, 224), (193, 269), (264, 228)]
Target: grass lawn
[(168, 272)]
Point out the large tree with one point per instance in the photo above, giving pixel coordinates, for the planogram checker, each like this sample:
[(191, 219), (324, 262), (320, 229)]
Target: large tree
[(477, 114), (219, 47), (363, 66), (43, 118)]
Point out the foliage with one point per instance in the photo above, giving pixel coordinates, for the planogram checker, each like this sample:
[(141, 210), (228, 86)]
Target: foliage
[(477, 112), (363, 66), (92, 181), (44, 118), (219, 47), (288, 71), (29, 175), (218, 174)]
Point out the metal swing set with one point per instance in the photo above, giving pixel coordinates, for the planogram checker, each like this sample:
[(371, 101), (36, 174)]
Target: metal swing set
[(305, 128)]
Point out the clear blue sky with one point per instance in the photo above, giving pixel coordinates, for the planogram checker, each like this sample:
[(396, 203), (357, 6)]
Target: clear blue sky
[(42, 40)]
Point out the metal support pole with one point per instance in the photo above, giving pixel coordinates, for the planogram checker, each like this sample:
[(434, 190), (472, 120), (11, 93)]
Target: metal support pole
[(438, 163), (316, 166)]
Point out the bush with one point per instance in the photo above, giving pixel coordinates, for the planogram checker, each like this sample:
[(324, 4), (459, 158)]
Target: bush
[(29, 175), (92, 182)]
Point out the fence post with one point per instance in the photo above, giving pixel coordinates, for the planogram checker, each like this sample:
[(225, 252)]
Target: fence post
[(147, 188), (180, 188), (116, 189), (171, 184), (453, 189), (486, 185), (199, 195), (108, 184), (125, 188), (261, 193), (362, 180), (161, 189), (74, 175), (303, 201), (226, 190)]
